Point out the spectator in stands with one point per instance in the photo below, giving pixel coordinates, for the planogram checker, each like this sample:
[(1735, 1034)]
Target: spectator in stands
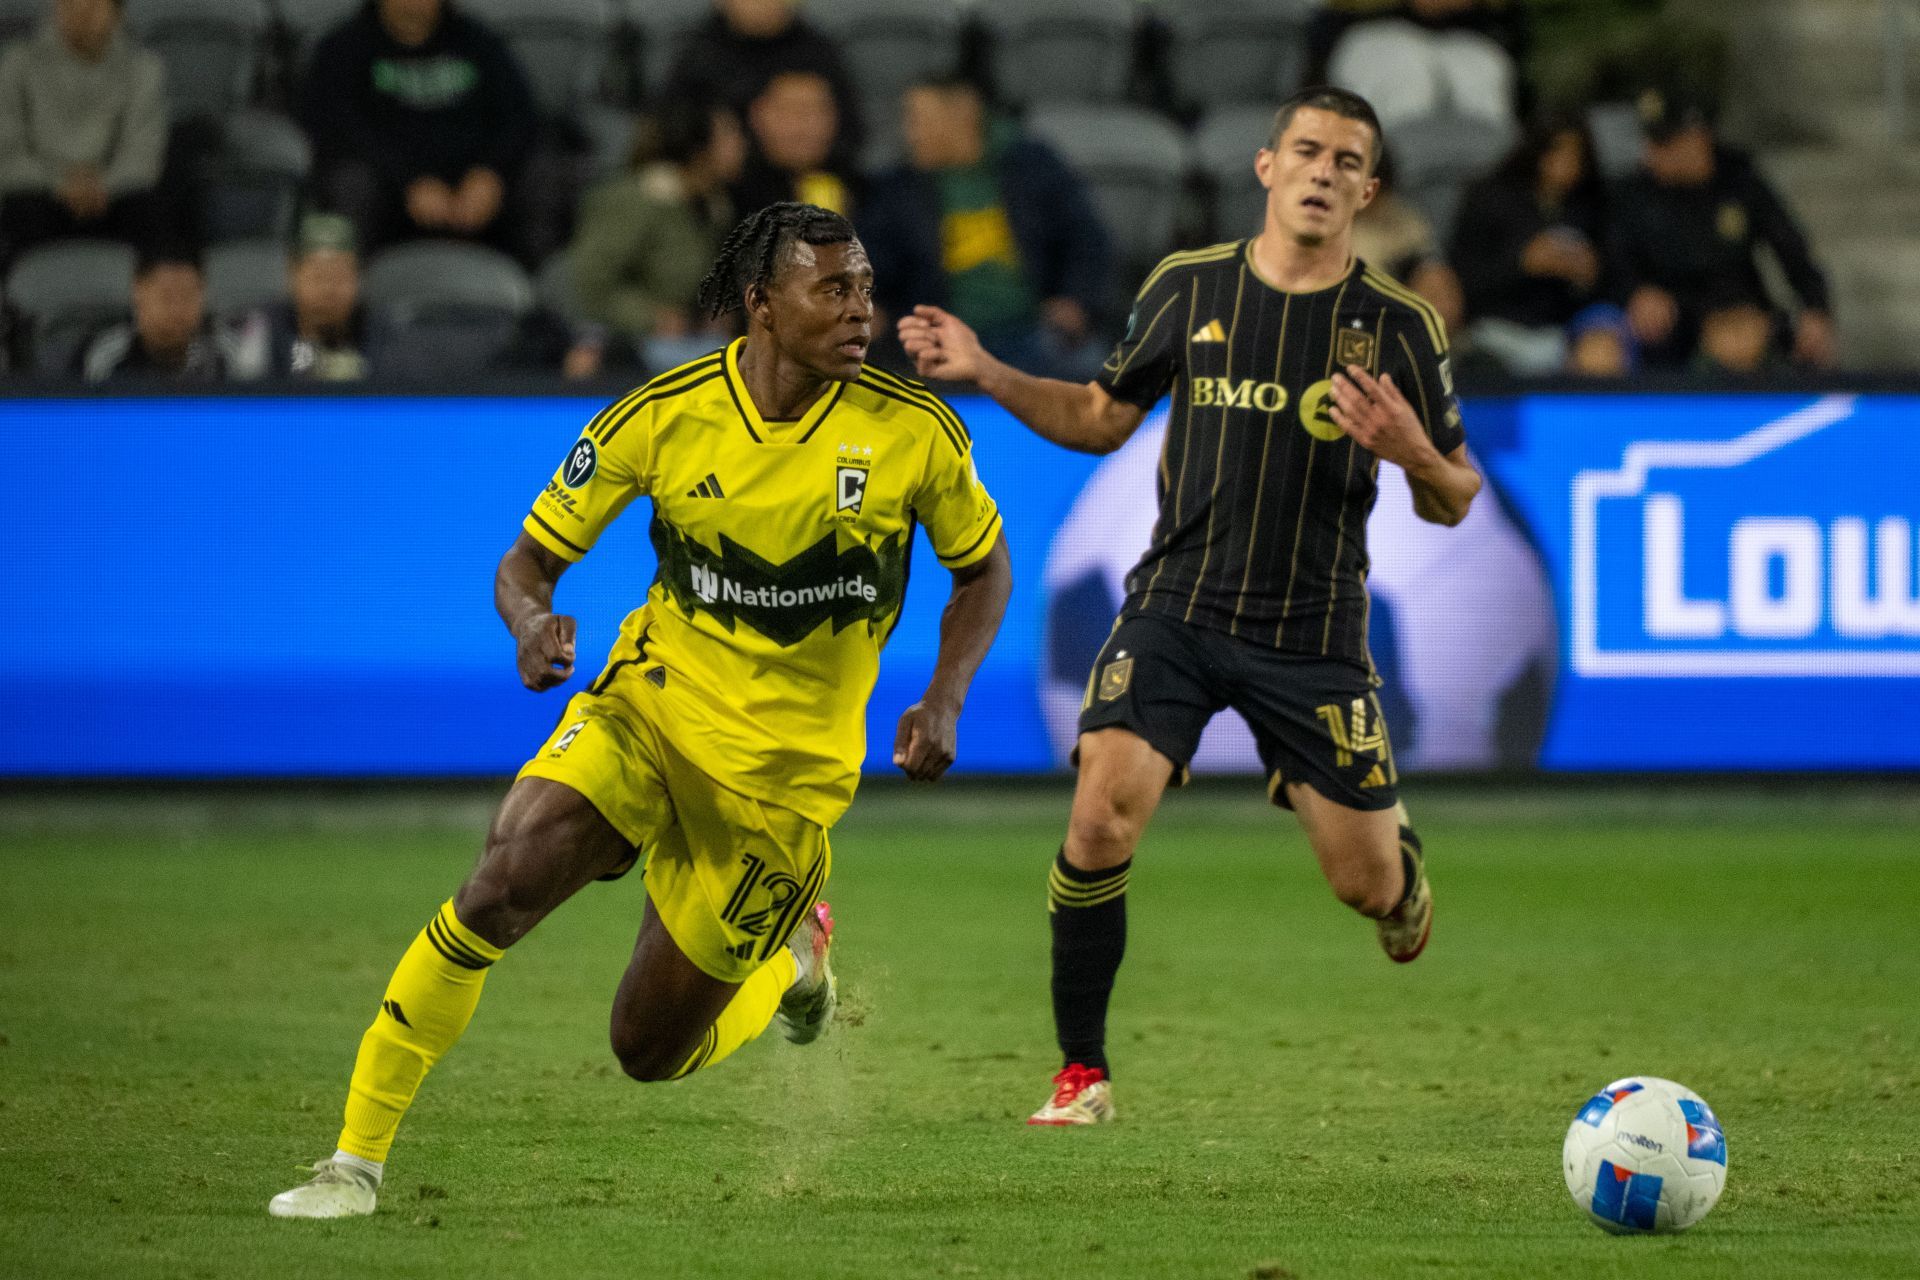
[(646, 239), (1683, 232), (421, 120), (320, 333), (1393, 235), (1528, 246), (794, 127), (83, 130), (1422, 58), (744, 45), (993, 226), (170, 338)]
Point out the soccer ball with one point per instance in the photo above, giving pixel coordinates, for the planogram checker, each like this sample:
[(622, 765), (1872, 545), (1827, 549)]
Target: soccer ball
[(1645, 1155)]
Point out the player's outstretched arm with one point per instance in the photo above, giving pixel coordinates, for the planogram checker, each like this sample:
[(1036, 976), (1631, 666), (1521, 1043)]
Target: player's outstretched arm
[(1381, 420), (1079, 416), (926, 742), (523, 593)]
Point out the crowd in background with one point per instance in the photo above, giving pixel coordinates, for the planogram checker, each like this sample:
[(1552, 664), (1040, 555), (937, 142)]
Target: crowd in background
[(1545, 254)]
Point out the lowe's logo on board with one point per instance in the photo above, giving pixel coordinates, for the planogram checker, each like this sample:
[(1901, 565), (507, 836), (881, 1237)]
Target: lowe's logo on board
[(1789, 550)]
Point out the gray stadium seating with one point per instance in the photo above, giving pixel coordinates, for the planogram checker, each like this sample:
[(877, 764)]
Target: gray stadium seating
[(891, 43), (1224, 143), (1436, 158), (308, 20), (663, 25), (1134, 163), (553, 287), (1235, 51), (212, 48), (609, 134), (245, 275), (254, 179), (18, 18), (64, 292), (562, 45), (444, 308), (1060, 50)]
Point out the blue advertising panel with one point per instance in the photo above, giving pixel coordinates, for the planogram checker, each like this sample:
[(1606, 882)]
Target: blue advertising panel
[(1734, 576), (303, 586)]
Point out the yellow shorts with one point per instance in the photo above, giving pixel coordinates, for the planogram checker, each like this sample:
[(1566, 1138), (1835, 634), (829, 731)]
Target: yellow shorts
[(731, 876)]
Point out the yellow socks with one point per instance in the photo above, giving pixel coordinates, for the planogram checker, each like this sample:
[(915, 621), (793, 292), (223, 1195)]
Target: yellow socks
[(747, 1014), (430, 999)]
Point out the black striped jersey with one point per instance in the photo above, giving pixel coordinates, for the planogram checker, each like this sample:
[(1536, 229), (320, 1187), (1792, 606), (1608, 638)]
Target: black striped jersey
[(1262, 531), (783, 551)]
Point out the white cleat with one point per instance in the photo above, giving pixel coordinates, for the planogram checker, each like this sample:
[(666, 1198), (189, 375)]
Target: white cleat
[(806, 1011), (1081, 1095), (335, 1191)]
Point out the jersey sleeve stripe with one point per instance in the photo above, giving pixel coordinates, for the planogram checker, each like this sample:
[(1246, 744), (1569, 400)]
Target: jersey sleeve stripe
[(934, 403), (553, 533), (1141, 345), (945, 430), (939, 409), (1400, 293), (667, 394), (607, 415), (960, 559), (1188, 258)]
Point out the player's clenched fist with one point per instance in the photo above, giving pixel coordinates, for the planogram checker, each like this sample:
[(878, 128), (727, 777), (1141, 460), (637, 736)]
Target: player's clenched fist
[(942, 346), (545, 656), (927, 740)]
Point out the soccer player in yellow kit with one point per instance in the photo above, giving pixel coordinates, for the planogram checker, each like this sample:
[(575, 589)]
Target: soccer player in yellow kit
[(724, 737)]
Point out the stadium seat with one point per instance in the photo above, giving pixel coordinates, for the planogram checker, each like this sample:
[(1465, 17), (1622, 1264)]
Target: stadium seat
[(212, 49), (1438, 157), (663, 26), (553, 287), (63, 292), (254, 178), (1060, 50), (18, 18), (245, 275), (609, 135), (1235, 51), (306, 21), (562, 45), (443, 308), (891, 43), (1224, 143), (1134, 163)]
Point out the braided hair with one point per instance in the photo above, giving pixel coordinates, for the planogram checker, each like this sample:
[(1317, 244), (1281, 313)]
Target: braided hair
[(752, 250)]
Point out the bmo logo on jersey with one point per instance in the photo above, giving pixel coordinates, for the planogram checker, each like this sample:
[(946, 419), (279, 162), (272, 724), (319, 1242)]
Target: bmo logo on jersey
[(1787, 549), (1239, 393)]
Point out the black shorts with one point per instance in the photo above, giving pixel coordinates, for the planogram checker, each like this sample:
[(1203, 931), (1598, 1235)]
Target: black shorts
[(1314, 720)]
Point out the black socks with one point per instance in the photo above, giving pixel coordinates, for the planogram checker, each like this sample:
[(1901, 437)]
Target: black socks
[(1088, 910)]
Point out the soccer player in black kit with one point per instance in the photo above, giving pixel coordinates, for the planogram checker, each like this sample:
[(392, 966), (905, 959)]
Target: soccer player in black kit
[(1295, 370)]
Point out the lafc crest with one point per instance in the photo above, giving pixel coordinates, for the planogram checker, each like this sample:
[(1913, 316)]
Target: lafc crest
[(1354, 346), (1355, 730)]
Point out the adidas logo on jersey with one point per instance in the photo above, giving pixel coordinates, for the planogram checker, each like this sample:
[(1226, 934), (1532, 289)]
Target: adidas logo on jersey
[(1211, 331), (708, 488)]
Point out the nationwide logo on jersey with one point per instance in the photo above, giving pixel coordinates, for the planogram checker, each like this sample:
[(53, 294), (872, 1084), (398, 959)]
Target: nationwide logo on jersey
[(1211, 331), (1623, 1196), (785, 602)]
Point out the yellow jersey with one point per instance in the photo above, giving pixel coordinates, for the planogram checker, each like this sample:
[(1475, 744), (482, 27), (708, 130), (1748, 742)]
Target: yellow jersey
[(783, 550)]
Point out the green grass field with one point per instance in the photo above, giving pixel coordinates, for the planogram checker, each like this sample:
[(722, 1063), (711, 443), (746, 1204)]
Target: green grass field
[(183, 981)]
